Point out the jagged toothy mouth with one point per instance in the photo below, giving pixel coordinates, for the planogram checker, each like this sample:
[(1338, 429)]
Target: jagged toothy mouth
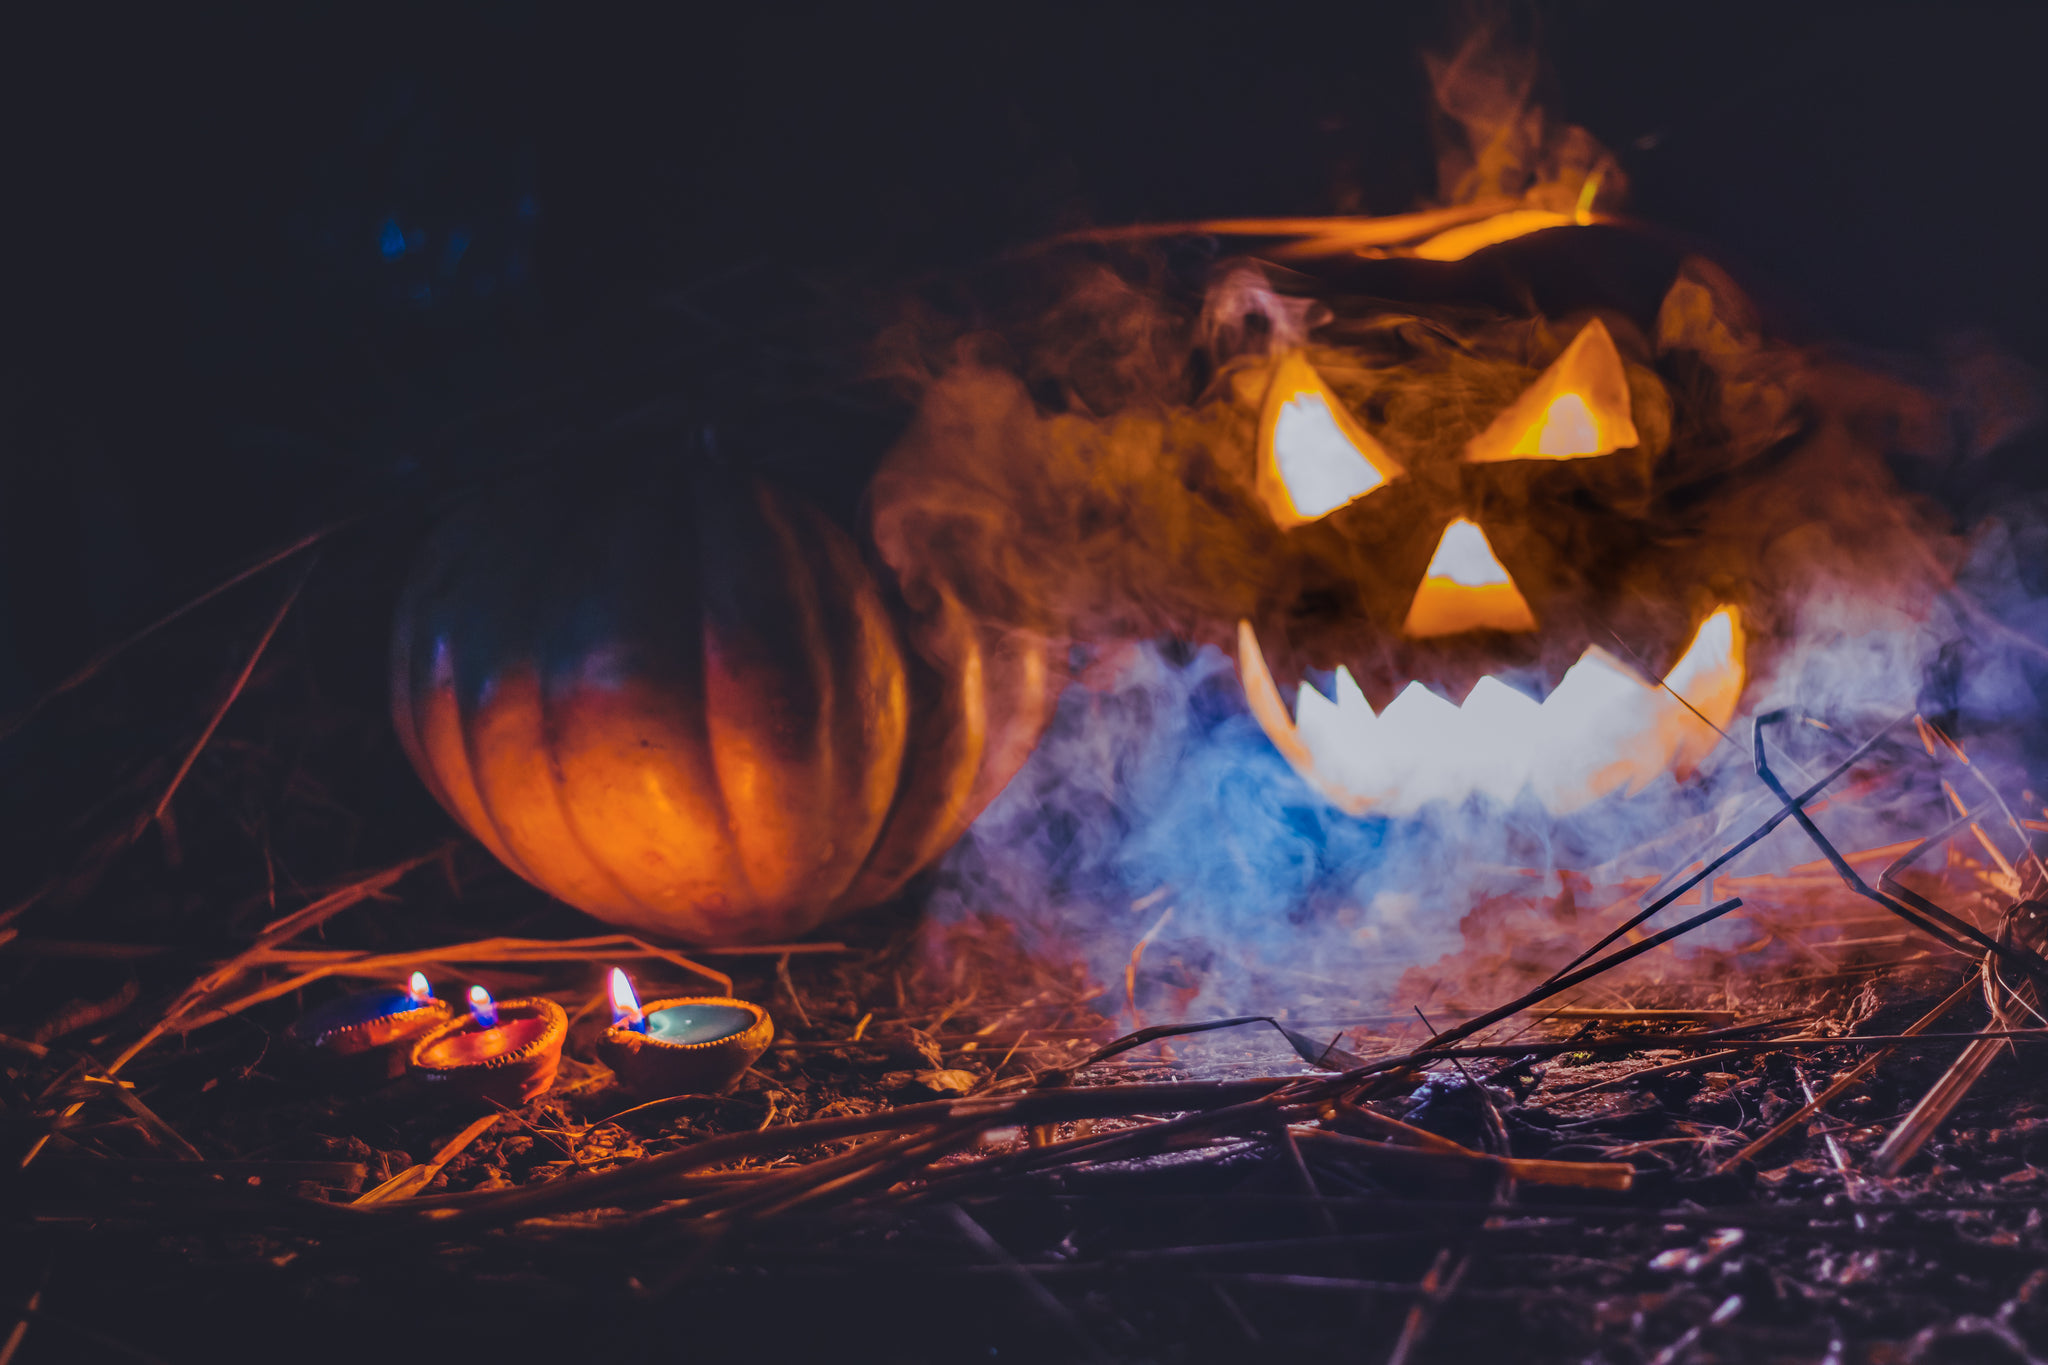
[(1602, 729)]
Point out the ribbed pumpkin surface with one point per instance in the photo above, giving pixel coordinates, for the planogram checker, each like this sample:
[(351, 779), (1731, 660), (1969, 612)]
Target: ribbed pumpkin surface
[(686, 706)]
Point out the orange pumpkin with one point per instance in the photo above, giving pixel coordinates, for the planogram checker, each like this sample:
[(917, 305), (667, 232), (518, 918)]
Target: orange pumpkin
[(685, 705)]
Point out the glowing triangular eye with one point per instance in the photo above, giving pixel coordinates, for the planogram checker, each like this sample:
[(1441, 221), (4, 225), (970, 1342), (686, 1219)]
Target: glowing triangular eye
[(1576, 408), (1466, 588), (1313, 458)]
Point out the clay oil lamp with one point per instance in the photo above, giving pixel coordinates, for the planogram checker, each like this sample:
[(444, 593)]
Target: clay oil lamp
[(504, 1051), (683, 1045), (366, 1036)]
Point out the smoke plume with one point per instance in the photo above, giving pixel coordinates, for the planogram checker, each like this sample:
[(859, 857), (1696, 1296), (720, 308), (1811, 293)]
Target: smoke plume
[(1083, 466)]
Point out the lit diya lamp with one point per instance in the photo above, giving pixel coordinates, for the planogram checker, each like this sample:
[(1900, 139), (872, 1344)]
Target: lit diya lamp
[(684, 1045), (505, 1051), (361, 1034)]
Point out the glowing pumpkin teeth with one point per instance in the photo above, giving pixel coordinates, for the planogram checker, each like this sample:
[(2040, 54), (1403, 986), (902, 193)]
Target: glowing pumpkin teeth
[(1603, 728)]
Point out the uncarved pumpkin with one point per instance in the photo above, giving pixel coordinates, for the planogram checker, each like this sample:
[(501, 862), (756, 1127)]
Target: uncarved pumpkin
[(684, 704)]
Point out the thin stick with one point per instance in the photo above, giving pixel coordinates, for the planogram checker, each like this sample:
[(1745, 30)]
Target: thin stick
[(234, 691), (1784, 812), (1851, 1186), (1438, 1283), (1566, 981), (419, 1177), (12, 1346), (1307, 1180), (1344, 1113), (153, 1121), (1682, 1347), (1930, 918), (789, 989), (989, 1084), (1647, 1041), (773, 949), (1888, 880), (1904, 1142), (100, 1339), (1843, 1082), (316, 913), (295, 923), (491, 950), (749, 1191), (1643, 667), (1616, 1082), (1998, 798), (1137, 955), (92, 666), (917, 1151), (672, 956), (1584, 1175), (979, 1238), (1644, 1042), (1574, 1014)]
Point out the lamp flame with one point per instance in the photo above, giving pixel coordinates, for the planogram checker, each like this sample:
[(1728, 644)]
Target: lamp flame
[(625, 1005), (483, 1007), (418, 989)]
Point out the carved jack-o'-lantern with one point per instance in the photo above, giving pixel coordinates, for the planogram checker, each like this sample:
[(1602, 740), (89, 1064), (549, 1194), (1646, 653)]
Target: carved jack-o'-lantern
[(1546, 554), (1499, 532), (1509, 498), (1523, 516)]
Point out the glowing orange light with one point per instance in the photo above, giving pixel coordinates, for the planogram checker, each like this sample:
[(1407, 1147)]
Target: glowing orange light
[(625, 1004), (1321, 236), (1568, 429), (1577, 408), (418, 988), (1709, 677), (1313, 457), (483, 1007), (1455, 244), (1466, 588), (1604, 729)]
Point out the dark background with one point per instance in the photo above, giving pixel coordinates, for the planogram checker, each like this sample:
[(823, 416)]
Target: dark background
[(269, 263), (265, 265)]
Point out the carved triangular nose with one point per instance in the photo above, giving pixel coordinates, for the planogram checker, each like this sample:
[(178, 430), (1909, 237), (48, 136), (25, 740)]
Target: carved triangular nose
[(1466, 587)]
